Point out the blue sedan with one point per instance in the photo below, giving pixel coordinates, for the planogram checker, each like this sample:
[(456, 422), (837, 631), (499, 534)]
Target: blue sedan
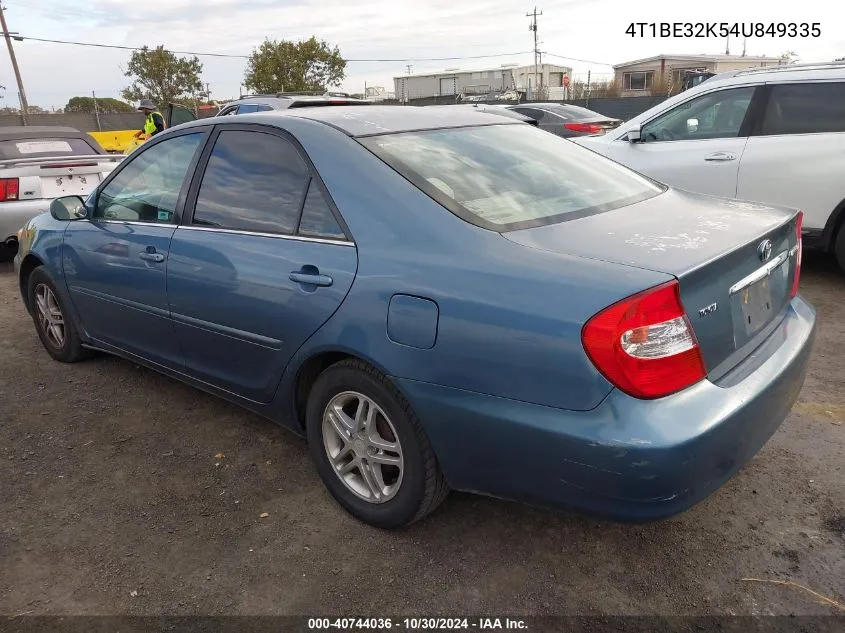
[(439, 299)]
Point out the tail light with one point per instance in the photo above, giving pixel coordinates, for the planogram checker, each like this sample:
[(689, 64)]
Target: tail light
[(9, 189), (587, 128), (65, 165), (645, 344), (799, 251)]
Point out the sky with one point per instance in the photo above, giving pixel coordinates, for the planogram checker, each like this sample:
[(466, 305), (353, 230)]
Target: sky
[(408, 31)]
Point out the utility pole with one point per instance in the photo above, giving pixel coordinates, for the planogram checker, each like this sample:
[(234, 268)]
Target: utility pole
[(96, 110), (728, 45), (744, 42), (24, 106), (533, 27), (409, 67)]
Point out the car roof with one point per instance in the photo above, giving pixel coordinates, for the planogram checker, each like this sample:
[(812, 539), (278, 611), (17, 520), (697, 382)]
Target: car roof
[(282, 102), (376, 119), (39, 131)]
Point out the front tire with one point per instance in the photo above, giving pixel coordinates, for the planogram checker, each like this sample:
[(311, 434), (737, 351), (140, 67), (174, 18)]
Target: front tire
[(369, 447), (839, 247), (52, 322)]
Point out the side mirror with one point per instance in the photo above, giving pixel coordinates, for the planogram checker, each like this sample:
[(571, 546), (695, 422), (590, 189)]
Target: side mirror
[(692, 125), (68, 208), (635, 134)]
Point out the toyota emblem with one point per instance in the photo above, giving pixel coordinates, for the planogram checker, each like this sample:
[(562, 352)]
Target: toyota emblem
[(764, 251)]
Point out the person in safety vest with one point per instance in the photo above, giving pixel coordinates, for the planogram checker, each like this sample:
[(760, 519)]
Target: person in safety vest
[(154, 122)]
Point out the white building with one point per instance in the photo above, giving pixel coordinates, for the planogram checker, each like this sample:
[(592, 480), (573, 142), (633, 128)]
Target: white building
[(455, 81)]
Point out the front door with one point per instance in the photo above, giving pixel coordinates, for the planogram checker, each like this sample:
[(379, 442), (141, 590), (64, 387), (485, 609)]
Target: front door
[(260, 265), (697, 145), (116, 261)]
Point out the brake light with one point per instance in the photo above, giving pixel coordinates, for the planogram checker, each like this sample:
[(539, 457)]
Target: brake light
[(588, 128), (645, 344), (9, 189), (799, 244)]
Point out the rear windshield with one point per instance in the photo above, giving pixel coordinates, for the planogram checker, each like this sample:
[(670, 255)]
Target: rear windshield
[(509, 177), (575, 112), (42, 147)]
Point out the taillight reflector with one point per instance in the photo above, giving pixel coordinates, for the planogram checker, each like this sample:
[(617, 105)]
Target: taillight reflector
[(796, 279), (587, 128), (9, 189), (645, 344)]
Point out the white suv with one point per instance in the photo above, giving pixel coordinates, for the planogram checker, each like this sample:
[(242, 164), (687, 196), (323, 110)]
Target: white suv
[(771, 135)]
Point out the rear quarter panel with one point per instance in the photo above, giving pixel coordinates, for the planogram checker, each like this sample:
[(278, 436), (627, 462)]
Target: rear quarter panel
[(509, 317)]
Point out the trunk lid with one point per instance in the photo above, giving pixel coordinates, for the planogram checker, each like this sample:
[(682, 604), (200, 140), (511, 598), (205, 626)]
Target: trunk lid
[(735, 261), (53, 177)]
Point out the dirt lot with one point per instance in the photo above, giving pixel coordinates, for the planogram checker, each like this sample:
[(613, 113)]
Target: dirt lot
[(114, 499)]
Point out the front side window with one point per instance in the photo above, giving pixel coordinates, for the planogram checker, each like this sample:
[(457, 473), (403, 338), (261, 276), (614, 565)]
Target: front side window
[(253, 182), (805, 109), (511, 176), (713, 115), (146, 189)]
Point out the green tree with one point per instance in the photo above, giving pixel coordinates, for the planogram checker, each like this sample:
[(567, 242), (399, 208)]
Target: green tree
[(160, 75), (305, 66), (104, 106)]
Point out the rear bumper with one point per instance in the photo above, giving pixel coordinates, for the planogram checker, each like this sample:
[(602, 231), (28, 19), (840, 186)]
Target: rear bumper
[(627, 459), (13, 215)]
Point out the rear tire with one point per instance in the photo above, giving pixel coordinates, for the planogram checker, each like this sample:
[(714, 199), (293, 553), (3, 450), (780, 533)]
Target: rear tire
[(52, 322), (839, 247), (369, 447)]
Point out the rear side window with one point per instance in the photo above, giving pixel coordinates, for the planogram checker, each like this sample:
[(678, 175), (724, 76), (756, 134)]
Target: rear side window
[(805, 109), (41, 147), (252, 107), (317, 217), (253, 182)]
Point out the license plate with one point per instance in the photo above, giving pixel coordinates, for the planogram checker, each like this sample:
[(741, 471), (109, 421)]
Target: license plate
[(69, 185), (756, 305)]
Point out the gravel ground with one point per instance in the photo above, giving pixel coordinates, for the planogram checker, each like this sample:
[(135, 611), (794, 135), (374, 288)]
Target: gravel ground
[(125, 492)]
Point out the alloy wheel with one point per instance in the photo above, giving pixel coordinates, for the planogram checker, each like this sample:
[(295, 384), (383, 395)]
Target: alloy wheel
[(363, 447), (50, 315)]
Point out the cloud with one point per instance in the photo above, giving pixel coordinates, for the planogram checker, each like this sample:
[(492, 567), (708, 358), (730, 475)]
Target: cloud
[(371, 29)]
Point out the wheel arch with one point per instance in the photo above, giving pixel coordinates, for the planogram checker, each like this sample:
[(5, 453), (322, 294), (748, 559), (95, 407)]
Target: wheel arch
[(29, 264), (311, 368)]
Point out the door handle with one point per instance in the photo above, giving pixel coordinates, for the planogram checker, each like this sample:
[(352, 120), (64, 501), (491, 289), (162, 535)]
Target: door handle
[(312, 279), (152, 257), (720, 157)]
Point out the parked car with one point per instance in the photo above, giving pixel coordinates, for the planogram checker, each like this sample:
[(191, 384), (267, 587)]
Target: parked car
[(39, 163), (495, 109), (283, 101), (566, 120), (772, 135), (439, 298)]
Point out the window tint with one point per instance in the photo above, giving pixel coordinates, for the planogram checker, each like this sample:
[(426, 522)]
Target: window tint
[(146, 189), (264, 108), (317, 217), (247, 108), (509, 177), (530, 112), (713, 115), (805, 108), (254, 182)]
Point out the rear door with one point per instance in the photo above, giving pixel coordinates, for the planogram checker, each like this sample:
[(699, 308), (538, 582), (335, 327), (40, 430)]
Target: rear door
[(796, 154), (697, 145), (259, 265)]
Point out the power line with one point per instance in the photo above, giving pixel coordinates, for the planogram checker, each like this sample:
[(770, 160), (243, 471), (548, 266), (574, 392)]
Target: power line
[(235, 56), (575, 59)]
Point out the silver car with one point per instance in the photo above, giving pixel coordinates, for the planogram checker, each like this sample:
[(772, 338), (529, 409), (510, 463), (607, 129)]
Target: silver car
[(40, 163)]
